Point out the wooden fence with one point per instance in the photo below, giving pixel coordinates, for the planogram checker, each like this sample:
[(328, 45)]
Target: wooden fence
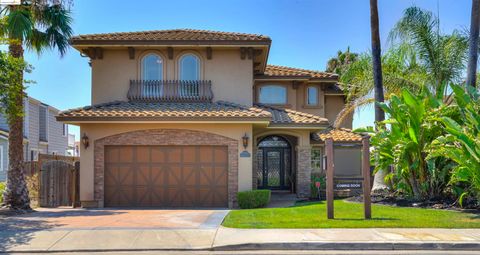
[(53, 180)]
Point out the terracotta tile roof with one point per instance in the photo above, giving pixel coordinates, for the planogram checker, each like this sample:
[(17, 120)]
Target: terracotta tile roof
[(279, 71), (146, 111), (289, 117), (172, 36), (221, 110), (337, 134)]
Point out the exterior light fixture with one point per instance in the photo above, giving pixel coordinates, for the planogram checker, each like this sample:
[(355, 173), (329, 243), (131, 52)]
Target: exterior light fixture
[(245, 141), (85, 141)]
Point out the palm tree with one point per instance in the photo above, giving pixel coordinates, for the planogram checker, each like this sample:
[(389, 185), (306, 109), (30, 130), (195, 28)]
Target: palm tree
[(378, 181), (419, 55), (37, 25), (341, 62), (473, 44), (443, 56)]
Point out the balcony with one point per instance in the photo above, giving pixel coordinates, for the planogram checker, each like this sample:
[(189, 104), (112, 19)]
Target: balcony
[(170, 91)]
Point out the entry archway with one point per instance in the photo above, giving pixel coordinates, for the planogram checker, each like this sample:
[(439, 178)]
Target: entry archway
[(274, 156)]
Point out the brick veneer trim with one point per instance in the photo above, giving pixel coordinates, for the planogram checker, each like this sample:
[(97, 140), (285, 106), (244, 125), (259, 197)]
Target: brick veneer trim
[(166, 137)]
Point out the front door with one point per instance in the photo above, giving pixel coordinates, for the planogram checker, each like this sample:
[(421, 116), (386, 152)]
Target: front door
[(274, 163)]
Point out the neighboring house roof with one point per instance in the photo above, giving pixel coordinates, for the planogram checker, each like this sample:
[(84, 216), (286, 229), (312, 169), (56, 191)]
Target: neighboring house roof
[(173, 36), (273, 71), (288, 117), (147, 111), (341, 135)]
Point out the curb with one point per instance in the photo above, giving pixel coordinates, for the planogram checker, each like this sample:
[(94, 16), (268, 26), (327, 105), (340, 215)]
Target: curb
[(352, 246), (459, 246)]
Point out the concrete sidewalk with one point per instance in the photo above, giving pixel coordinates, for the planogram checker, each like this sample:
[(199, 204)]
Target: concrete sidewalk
[(224, 239)]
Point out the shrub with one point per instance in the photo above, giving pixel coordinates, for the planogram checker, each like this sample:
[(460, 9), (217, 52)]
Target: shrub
[(253, 198), (3, 186), (317, 177)]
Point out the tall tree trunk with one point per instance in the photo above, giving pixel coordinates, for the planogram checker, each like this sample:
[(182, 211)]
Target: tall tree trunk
[(16, 193), (378, 182), (473, 44)]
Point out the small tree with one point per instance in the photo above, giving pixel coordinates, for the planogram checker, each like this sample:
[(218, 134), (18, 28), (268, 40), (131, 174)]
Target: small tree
[(38, 25)]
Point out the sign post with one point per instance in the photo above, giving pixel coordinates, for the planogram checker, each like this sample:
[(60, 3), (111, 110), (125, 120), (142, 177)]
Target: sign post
[(366, 177), (330, 176)]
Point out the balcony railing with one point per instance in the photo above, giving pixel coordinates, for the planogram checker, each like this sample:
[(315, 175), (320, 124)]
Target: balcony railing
[(170, 91)]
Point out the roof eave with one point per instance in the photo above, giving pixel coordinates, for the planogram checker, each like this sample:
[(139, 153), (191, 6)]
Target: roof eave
[(299, 125), (84, 43), (70, 119)]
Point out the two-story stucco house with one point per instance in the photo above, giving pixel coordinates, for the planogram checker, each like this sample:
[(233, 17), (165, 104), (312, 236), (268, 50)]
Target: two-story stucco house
[(41, 131), (190, 117)]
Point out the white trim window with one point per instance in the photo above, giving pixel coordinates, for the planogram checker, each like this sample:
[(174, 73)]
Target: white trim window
[(316, 160), (152, 67), (1, 159), (65, 129), (43, 123), (189, 65), (312, 96), (273, 94), (34, 154)]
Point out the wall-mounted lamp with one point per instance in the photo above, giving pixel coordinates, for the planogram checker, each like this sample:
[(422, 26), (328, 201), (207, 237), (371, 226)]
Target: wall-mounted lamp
[(245, 141), (85, 141)]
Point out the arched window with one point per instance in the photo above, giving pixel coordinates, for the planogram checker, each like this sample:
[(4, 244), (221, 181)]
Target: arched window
[(152, 67), (312, 95), (273, 94), (189, 65), (274, 141)]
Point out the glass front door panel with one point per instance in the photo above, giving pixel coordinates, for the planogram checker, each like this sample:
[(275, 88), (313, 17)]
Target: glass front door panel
[(274, 171)]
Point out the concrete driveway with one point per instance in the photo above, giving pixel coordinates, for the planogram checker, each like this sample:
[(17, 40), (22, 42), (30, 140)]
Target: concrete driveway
[(76, 219), (103, 229)]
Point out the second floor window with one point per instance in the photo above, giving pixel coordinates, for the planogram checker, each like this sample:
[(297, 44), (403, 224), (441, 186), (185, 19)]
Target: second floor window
[(189, 65), (273, 94), (312, 96), (42, 121), (152, 67)]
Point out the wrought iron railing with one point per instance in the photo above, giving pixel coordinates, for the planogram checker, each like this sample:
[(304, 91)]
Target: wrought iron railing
[(170, 91)]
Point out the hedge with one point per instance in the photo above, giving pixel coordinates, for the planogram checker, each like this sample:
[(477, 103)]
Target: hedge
[(253, 198)]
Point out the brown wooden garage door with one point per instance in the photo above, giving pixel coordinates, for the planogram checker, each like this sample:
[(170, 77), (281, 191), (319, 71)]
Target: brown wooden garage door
[(166, 176)]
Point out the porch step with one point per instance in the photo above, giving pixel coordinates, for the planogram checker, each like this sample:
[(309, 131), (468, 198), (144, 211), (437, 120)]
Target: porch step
[(283, 196)]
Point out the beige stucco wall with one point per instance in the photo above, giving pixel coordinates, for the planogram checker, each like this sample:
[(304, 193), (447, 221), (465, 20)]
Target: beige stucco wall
[(329, 106), (333, 105), (97, 131), (232, 77)]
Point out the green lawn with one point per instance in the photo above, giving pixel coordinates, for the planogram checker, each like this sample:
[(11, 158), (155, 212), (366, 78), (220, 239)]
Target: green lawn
[(349, 215)]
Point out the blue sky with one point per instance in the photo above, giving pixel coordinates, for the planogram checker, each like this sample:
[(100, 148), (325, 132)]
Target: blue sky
[(304, 34)]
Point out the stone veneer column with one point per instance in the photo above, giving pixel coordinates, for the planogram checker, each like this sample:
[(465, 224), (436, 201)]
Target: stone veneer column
[(304, 171)]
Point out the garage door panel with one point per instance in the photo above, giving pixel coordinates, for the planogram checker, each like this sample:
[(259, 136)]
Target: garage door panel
[(173, 154), (166, 176), (189, 155), (157, 155), (143, 154), (125, 154), (221, 155), (206, 154)]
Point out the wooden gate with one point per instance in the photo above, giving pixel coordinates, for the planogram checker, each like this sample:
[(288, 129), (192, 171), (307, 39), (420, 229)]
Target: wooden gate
[(58, 180)]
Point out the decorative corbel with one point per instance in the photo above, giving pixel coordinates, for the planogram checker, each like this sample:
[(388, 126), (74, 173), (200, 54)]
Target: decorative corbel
[(170, 52), (209, 52), (243, 53), (296, 84), (131, 53)]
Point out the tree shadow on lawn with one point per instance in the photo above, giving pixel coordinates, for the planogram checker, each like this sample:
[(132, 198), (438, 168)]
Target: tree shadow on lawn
[(21, 229)]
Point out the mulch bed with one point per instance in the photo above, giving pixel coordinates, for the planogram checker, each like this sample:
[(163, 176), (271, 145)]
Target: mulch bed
[(469, 205)]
